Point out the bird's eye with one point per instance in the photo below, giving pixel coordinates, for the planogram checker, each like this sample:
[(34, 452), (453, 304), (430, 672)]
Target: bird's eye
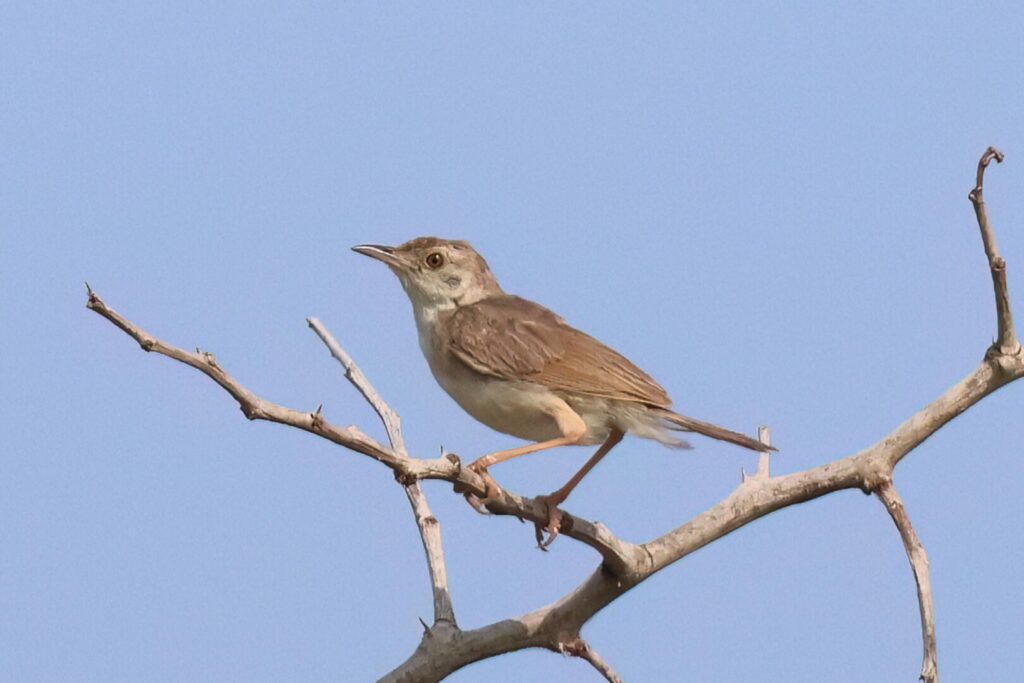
[(435, 260)]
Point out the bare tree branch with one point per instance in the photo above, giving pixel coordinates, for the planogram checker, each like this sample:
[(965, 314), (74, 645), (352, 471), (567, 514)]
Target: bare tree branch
[(620, 556), (580, 648), (253, 407), (392, 423), (429, 527), (625, 565), (548, 627), (865, 470), (1007, 337), (430, 533), (919, 563), (753, 499)]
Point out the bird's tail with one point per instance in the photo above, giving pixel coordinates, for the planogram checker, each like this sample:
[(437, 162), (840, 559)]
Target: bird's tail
[(688, 424)]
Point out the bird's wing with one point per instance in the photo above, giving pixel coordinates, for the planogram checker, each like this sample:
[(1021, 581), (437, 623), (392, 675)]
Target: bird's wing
[(512, 338)]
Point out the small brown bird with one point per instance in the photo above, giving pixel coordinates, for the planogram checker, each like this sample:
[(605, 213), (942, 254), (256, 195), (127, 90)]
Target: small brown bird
[(522, 370)]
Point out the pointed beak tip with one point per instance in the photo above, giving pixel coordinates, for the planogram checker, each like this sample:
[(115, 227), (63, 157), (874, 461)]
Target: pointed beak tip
[(371, 249), (377, 251)]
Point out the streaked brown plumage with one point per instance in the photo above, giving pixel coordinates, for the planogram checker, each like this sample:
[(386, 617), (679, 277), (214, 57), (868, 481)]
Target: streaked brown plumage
[(512, 338), (521, 369)]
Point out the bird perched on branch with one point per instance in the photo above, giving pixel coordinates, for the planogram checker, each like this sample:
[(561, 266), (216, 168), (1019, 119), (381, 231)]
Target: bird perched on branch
[(520, 369)]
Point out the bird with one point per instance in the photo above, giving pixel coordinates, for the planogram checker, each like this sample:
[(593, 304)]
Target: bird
[(522, 370)]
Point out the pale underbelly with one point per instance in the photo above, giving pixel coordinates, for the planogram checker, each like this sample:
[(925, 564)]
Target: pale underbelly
[(511, 408)]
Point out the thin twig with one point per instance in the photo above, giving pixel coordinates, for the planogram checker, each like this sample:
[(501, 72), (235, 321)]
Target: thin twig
[(919, 563), (429, 527), (392, 423), (582, 649), (1006, 342), (430, 534), (253, 407)]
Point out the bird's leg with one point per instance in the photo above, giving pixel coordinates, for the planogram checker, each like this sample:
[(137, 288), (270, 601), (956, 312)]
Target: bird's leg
[(555, 499), (480, 465), (572, 428)]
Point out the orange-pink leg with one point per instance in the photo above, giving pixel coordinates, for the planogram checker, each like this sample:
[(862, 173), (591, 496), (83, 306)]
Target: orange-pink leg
[(481, 464), (571, 426), (558, 497)]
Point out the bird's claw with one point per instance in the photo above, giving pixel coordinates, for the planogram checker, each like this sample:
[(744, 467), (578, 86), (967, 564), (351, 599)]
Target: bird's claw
[(491, 491), (477, 504), (553, 526)]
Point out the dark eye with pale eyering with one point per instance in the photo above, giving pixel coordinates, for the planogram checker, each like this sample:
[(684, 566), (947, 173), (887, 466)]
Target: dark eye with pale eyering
[(435, 260)]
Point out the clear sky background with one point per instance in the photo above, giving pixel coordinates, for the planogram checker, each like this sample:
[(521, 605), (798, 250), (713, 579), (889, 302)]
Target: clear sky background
[(765, 206)]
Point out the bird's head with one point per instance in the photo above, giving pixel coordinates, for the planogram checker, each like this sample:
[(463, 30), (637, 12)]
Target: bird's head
[(435, 272)]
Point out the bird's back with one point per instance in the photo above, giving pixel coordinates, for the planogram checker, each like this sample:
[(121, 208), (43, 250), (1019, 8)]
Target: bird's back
[(511, 338)]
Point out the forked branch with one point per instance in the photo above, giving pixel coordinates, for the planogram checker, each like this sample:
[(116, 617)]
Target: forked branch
[(429, 527), (582, 649), (392, 423)]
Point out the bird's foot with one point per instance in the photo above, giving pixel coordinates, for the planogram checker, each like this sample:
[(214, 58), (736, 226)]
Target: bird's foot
[(553, 526), (477, 503), (491, 489)]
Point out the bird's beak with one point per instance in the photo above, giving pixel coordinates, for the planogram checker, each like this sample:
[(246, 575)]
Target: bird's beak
[(381, 253)]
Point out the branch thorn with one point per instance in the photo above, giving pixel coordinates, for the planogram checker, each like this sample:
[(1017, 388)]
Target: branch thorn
[(764, 435)]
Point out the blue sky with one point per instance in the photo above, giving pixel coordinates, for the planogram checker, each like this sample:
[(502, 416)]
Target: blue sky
[(764, 205)]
